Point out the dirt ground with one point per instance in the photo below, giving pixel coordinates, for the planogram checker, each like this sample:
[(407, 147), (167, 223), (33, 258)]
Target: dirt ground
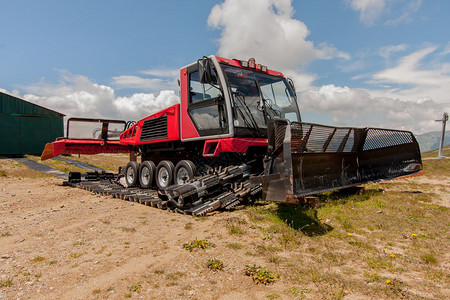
[(66, 243), (60, 242)]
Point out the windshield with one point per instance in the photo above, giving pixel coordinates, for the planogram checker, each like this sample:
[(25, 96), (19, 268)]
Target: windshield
[(259, 97)]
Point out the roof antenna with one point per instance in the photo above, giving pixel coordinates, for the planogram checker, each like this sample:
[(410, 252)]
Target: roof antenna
[(444, 121)]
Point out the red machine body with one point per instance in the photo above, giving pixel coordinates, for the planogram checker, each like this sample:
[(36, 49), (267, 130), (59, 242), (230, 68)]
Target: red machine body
[(132, 136), (177, 127)]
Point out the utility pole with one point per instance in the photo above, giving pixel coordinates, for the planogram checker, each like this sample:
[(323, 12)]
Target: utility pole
[(444, 121)]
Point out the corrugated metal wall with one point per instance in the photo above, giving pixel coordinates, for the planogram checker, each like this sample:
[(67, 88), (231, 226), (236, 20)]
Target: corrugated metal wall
[(25, 128)]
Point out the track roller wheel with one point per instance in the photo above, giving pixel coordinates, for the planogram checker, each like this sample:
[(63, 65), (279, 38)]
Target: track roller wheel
[(164, 174), (132, 173), (184, 171), (146, 174)]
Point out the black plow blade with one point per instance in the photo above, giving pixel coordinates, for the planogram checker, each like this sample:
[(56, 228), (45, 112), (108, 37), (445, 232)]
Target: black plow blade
[(307, 158)]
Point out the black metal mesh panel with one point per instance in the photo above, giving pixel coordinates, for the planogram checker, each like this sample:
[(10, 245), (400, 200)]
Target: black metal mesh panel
[(381, 138), (280, 130), (306, 137)]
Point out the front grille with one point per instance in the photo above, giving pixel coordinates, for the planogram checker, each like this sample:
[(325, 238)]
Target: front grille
[(154, 129)]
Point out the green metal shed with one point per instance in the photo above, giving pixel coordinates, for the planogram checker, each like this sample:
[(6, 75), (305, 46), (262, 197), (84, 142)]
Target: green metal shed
[(25, 127)]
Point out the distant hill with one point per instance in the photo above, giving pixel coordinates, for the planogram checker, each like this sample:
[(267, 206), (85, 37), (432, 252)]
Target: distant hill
[(431, 140)]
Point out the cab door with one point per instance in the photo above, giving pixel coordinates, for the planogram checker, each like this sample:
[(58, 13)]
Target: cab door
[(206, 106)]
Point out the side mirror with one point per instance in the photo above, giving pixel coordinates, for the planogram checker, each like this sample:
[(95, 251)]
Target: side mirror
[(204, 70)]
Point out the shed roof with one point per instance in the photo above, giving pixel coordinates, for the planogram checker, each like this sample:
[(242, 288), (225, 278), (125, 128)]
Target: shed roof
[(13, 105)]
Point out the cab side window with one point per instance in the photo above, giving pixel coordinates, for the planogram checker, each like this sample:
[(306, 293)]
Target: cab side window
[(202, 91), (206, 106)]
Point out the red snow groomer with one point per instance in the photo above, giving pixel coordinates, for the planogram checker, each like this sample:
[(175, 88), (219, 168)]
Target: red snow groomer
[(236, 131)]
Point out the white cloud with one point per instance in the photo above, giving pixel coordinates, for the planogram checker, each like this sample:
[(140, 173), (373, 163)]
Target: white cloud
[(350, 107), (145, 84), (410, 95), (141, 105), (77, 96), (446, 49), (417, 79), (387, 51), (162, 73), (407, 11), (268, 32), (369, 10)]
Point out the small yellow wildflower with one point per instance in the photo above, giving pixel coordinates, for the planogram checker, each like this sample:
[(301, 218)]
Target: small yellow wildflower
[(388, 281), (393, 255), (413, 235), (421, 207), (350, 234)]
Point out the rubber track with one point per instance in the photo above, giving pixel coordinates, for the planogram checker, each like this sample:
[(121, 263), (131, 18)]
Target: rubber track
[(229, 196)]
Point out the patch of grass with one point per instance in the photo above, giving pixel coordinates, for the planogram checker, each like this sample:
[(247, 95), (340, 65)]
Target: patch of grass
[(37, 259), (75, 255), (236, 226), (96, 292), (58, 165), (274, 259), (2, 174), (135, 288), (107, 161), (260, 274), (198, 244), (372, 277), (215, 264), (6, 283), (5, 234), (188, 226), (436, 167), (284, 216), (379, 262), (293, 290), (437, 276), (78, 244), (361, 244), (429, 258), (52, 262), (235, 230), (175, 275), (127, 229), (267, 250), (234, 246), (159, 271), (272, 296), (397, 288)]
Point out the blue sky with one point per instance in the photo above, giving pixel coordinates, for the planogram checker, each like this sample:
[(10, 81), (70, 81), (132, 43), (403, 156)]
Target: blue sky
[(382, 63)]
